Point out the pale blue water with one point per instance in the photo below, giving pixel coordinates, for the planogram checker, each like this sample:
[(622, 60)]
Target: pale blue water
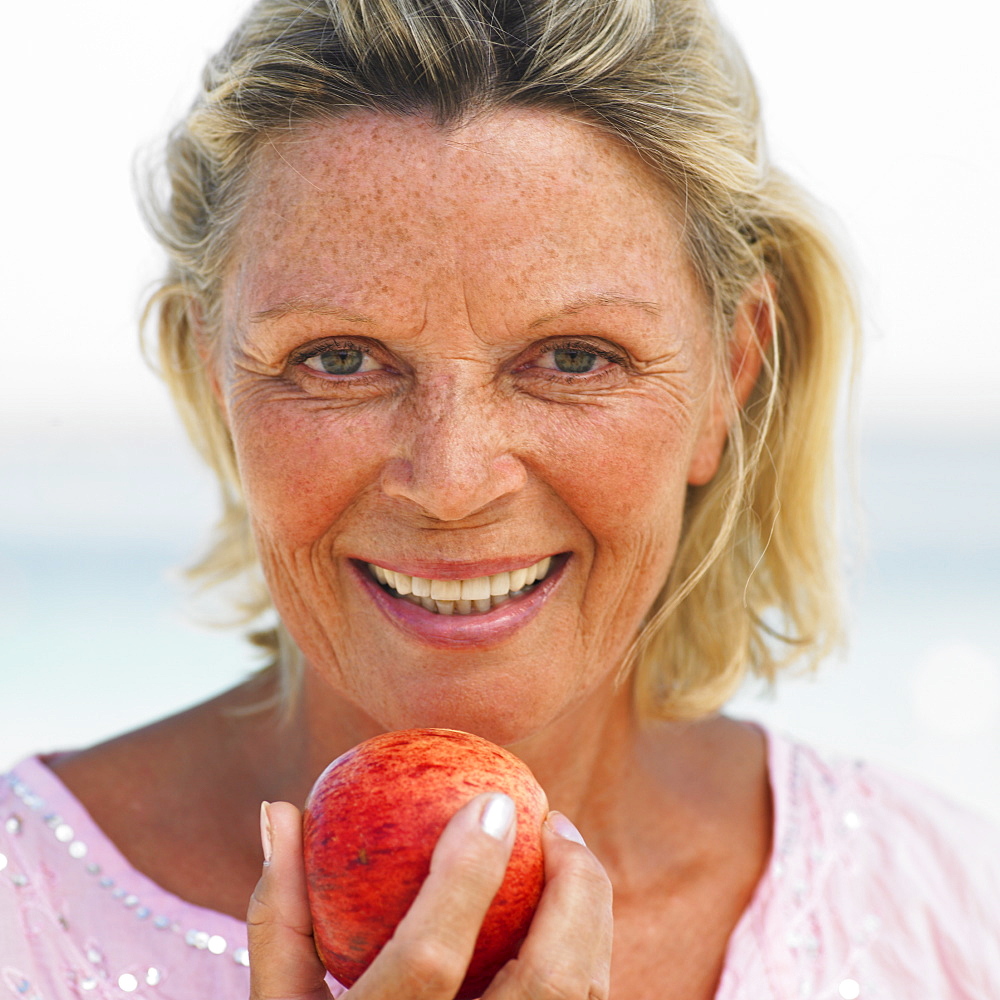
[(93, 639)]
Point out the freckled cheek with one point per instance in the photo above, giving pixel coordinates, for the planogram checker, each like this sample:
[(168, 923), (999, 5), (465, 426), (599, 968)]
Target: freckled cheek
[(623, 482), (301, 472)]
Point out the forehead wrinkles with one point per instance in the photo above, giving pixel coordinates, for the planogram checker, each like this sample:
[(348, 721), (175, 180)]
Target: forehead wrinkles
[(402, 198)]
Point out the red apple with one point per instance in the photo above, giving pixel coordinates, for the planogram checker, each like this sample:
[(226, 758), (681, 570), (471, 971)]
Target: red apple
[(371, 823)]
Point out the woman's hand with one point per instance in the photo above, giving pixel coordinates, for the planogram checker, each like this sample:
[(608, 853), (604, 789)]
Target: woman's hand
[(566, 955)]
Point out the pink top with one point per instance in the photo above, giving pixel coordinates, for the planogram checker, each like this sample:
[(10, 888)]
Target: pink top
[(877, 889)]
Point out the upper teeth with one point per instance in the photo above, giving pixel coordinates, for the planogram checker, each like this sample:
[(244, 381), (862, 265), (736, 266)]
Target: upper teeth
[(480, 588)]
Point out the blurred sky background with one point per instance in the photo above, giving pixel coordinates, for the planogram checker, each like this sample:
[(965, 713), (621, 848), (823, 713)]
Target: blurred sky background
[(888, 113)]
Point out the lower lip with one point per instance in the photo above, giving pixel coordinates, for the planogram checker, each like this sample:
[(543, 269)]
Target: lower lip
[(462, 631)]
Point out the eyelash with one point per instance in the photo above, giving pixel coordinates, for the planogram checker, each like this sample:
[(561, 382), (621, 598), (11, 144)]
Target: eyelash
[(587, 348), (304, 354)]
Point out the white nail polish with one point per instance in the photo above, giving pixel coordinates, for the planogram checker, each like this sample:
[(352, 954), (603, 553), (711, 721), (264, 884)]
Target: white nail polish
[(266, 834), (560, 825), (497, 816)]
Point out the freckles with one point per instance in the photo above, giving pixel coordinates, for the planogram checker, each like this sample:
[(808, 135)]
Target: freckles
[(302, 470)]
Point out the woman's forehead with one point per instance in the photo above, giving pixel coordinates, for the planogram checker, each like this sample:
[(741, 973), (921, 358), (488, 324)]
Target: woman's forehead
[(494, 144), (527, 202), (409, 171)]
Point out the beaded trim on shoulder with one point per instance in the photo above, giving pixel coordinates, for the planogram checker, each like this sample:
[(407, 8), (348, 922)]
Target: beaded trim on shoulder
[(63, 833)]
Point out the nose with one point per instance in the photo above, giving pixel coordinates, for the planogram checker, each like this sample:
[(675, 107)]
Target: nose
[(454, 454)]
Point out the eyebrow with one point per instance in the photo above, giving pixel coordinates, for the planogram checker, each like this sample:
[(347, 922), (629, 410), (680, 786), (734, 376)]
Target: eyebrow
[(604, 299), (310, 308), (328, 309)]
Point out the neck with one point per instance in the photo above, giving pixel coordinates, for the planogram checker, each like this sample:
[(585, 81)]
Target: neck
[(576, 758), (598, 763)]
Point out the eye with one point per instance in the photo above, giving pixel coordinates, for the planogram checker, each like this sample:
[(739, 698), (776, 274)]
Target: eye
[(339, 359), (573, 360), (577, 359)]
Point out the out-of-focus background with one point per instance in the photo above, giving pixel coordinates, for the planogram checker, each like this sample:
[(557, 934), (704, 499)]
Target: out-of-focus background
[(889, 115)]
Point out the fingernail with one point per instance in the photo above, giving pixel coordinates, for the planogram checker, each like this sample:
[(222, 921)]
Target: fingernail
[(497, 816), (562, 827), (265, 831)]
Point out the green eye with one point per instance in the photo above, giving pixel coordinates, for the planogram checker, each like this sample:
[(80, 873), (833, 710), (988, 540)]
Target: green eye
[(340, 361), (571, 360)]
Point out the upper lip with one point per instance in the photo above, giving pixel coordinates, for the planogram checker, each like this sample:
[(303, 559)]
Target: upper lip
[(437, 569)]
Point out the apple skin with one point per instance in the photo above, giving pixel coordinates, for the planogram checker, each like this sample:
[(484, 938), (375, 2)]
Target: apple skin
[(371, 822)]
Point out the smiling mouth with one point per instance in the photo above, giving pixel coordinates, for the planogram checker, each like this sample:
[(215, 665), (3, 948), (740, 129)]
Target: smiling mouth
[(462, 597)]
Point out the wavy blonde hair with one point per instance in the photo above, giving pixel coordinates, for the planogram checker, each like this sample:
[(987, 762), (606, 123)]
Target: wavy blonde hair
[(754, 582)]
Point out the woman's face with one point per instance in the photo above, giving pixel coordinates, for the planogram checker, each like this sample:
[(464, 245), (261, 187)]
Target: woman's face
[(455, 355)]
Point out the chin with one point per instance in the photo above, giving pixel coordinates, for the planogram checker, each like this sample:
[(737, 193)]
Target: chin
[(504, 713)]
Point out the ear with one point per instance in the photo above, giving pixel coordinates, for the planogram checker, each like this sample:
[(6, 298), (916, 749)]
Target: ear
[(753, 328)]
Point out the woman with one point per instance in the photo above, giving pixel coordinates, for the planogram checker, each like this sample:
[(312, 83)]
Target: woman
[(516, 360)]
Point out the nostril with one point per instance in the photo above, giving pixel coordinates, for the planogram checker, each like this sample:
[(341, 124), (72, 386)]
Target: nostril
[(455, 487)]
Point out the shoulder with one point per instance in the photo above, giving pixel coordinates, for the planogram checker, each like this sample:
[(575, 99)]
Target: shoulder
[(902, 824), (877, 887), (77, 920), (905, 878)]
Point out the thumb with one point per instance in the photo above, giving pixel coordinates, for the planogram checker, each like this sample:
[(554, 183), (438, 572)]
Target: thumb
[(283, 960)]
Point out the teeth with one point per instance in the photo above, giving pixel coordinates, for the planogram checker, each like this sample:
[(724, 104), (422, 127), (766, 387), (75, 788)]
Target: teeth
[(477, 589), (446, 590), (463, 597)]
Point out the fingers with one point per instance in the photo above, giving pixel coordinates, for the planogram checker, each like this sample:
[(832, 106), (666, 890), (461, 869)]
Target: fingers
[(428, 955), (283, 960), (567, 953)]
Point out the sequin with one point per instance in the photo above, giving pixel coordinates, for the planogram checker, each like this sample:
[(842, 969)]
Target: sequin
[(849, 989), (87, 983), (197, 939), (853, 822)]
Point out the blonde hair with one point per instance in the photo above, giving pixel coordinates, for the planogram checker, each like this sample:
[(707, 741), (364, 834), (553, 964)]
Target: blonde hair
[(753, 584)]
